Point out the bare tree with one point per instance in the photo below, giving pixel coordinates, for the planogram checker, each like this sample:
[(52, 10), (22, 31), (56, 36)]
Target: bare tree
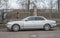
[(58, 4), (28, 4), (0, 1), (6, 3), (6, 8), (23, 3), (52, 6), (34, 7), (1, 4)]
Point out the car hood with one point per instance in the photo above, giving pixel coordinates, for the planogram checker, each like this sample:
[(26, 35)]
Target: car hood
[(51, 20)]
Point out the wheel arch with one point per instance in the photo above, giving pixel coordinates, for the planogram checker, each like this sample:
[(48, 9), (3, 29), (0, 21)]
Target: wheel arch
[(47, 24), (15, 24)]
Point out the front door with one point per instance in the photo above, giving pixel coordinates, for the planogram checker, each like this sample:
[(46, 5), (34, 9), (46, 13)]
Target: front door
[(30, 23)]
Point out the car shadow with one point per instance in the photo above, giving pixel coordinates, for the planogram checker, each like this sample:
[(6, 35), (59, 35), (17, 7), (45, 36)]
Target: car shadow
[(36, 30), (32, 30)]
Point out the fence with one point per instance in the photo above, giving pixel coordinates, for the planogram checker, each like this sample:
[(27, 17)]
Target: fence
[(20, 14)]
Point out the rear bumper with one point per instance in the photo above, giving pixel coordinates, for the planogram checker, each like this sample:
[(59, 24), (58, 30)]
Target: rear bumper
[(8, 27)]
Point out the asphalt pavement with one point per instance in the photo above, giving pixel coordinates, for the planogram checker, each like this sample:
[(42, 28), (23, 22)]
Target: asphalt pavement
[(30, 34)]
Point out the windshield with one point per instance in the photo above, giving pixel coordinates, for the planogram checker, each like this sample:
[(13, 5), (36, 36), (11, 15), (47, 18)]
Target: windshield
[(25, 19)]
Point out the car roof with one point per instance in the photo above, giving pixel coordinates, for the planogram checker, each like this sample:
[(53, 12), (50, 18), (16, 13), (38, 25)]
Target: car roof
[(35, 16)]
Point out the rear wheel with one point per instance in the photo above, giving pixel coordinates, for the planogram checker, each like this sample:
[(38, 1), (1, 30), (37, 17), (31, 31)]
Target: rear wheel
[(15, 27), (47, 27)]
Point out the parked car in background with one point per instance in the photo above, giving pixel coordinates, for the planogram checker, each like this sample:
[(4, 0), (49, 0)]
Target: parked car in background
[(31, 22)]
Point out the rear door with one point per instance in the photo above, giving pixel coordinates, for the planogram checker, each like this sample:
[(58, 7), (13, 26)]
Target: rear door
[(39, 22)]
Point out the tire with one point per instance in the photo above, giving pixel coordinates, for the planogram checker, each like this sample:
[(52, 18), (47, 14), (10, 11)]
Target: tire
[(15, 27), (47, 27)]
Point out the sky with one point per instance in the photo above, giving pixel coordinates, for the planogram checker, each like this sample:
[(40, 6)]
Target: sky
[(41, 4), (13, 4)]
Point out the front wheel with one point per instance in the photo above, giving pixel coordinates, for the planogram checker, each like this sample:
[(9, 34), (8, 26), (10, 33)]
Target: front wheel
[(47, 27), (15, 27)]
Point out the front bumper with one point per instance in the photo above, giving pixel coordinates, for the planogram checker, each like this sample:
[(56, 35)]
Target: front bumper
[(53, 25)]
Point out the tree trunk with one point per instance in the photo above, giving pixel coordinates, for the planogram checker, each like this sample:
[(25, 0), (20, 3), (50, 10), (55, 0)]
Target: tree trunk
[(28, 4), (35, 11)]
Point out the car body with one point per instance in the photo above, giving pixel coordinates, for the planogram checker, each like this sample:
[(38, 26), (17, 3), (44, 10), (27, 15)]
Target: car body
[(31, 22)]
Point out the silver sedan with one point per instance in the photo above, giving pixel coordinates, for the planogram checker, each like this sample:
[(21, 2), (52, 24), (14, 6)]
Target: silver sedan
[(31, 22)]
